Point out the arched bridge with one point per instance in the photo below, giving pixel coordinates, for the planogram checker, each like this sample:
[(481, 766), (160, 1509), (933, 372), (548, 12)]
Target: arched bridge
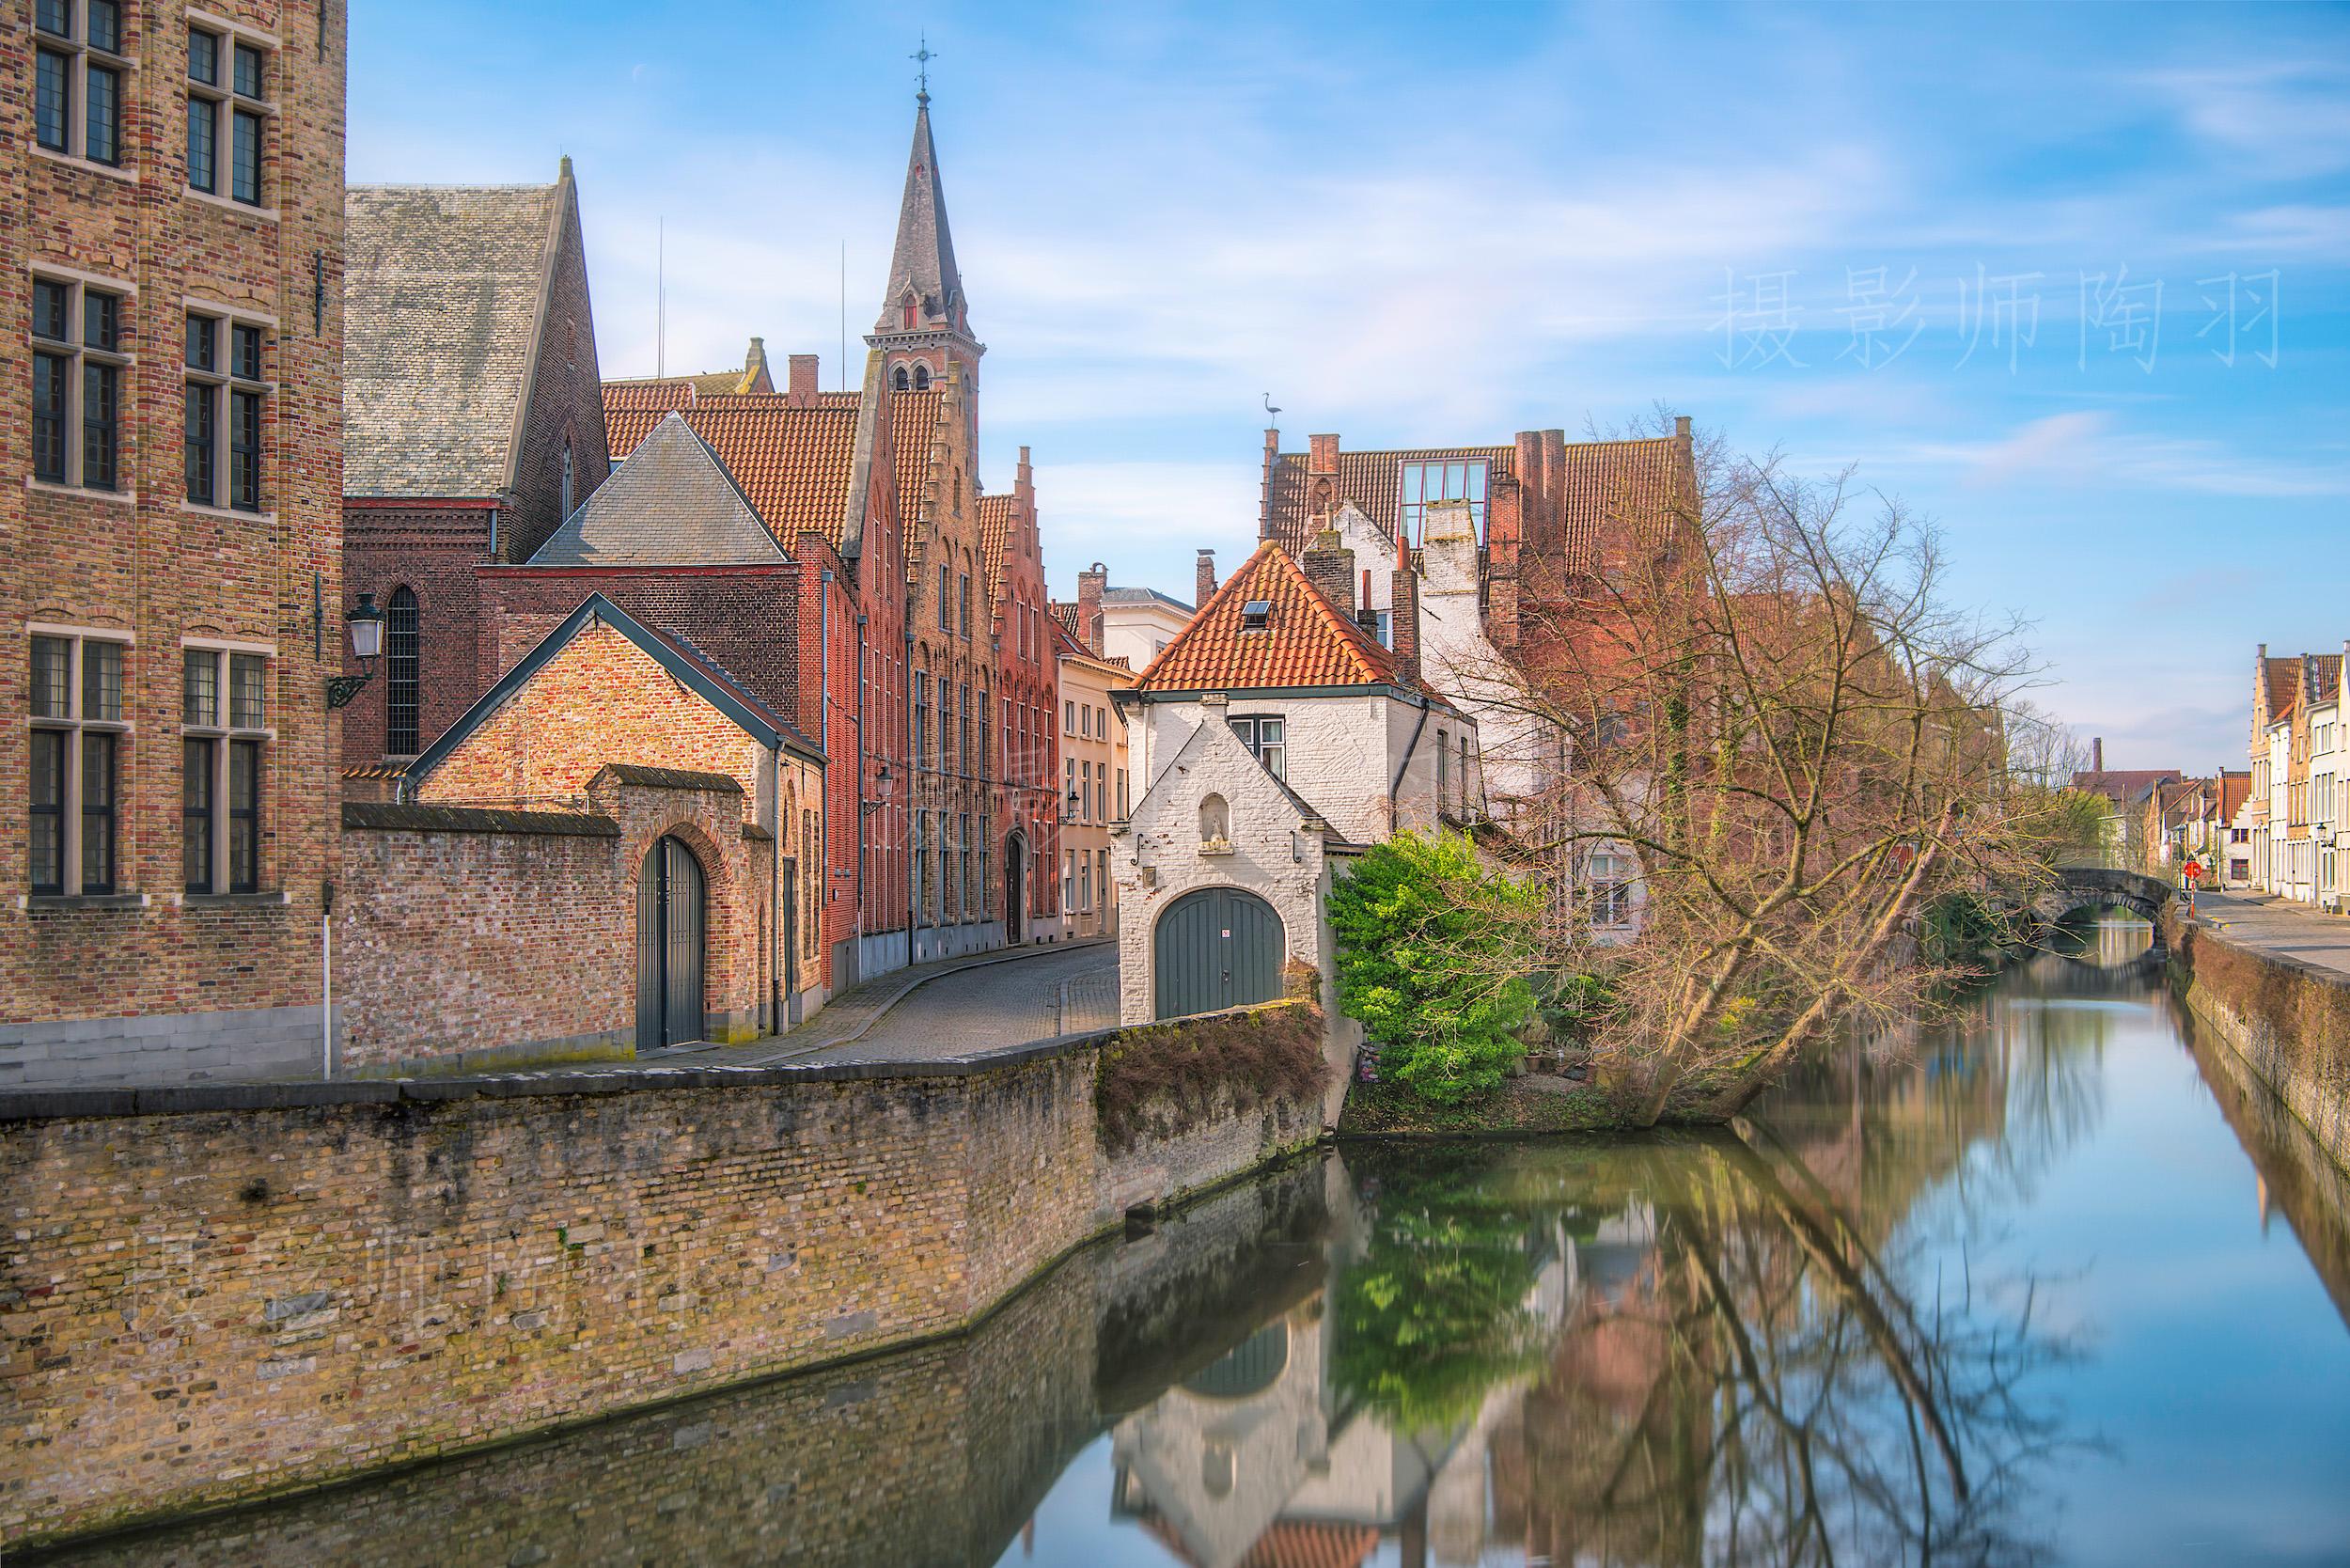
[(2102, 887)]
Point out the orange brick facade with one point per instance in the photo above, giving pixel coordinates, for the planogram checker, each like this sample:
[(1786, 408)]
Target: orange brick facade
[(135, 962)]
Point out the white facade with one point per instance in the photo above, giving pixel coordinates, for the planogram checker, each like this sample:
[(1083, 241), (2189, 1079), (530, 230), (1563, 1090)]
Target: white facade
[(1137, 626), (2329, 769)]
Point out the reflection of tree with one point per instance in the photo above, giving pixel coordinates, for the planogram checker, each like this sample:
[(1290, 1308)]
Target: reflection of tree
[(1439, 1306), (1773, 1388)]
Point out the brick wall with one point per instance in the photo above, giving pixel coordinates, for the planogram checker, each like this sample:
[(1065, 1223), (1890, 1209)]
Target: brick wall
[(565, 403), (218, 1299), (433, 552), (138, 563), (746, 618)]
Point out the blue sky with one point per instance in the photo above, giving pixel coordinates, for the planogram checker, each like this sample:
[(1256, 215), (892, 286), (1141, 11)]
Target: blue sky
[(2001, 258)]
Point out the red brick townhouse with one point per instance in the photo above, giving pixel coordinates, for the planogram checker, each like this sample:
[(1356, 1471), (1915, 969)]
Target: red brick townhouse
[(1025, 679), (171, 593), (474, 425), (603, 857)]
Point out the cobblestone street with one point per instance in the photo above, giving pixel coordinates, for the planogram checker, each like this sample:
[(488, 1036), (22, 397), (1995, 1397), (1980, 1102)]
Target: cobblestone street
[(2277, 926), (1053, 991)]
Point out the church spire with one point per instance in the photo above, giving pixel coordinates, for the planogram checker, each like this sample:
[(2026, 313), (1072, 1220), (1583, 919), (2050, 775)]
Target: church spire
[(924, 322)]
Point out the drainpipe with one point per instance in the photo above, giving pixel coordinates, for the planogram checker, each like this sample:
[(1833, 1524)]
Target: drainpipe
[(913, 771), (824, 741), (326, 976)]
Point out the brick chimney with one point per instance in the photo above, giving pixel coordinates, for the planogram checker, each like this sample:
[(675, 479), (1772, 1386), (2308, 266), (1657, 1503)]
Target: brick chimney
[(1204, 579), (1091, 582), (2097, 754), (1322, 479), (803, 392), (1330, 567), (1264, 493), (1366, 615), (1404, 617)]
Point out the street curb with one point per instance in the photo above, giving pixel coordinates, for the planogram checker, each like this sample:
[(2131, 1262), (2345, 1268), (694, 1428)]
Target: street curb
[(912, 986)]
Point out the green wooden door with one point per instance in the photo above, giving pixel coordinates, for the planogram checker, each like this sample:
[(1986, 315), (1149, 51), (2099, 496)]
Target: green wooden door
[(1215, 948)]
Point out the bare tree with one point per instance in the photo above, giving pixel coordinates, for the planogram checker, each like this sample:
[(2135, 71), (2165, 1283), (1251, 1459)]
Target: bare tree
[(1753, 687)]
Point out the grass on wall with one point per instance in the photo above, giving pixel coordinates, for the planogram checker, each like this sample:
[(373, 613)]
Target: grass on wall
[(1167, 1079)]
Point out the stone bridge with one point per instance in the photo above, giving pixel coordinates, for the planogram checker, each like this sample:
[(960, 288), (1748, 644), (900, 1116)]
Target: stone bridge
[(2102, 887)]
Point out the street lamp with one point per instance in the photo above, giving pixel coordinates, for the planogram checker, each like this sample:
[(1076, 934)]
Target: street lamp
[(1071, 807), (882, 786), (367, 641)]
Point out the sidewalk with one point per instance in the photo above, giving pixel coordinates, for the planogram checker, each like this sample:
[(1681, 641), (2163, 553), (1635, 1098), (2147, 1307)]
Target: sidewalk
[(2275, 925), (846, 1018)]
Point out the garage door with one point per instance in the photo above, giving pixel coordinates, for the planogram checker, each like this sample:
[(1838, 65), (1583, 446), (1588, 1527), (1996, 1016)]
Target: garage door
[(1215, 948)]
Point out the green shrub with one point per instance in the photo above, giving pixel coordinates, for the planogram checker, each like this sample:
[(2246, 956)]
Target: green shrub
[(1433, 954)]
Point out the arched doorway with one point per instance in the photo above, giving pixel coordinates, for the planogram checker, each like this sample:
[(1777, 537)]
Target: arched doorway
[(1215, 948), (670, 905), (1016, 889)]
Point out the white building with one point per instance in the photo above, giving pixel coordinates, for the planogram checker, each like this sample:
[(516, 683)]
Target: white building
[(1273, 738)]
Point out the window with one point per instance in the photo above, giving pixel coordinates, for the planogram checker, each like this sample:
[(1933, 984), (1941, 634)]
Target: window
[(224, 721), (921, 372), (945, 601), (1386, 628), (1420, 482), (1068, 717), (1068, 879), (1121, 795), (1085, 791), (402, 673), (962, 829), (1068, 784), (963, 594), (227, 97), (921, 718), (225, 391), (1268, 742), (1085, 881), (1444, 769), (1255, 616), (84, 64), (1608, 885), (963, 726), (1462, 742), (78, 737), (1102, 877), (921, 867), (77, 332), (900, 379)]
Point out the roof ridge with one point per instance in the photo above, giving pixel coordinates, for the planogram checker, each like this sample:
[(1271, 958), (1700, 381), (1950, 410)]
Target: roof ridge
[(1347, 631)]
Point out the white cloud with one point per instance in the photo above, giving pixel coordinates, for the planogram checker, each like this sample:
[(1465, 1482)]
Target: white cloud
[(1145, 519)]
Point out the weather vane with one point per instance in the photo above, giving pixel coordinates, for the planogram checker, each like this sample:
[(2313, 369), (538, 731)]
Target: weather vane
[(923, 57), (1269, 407)]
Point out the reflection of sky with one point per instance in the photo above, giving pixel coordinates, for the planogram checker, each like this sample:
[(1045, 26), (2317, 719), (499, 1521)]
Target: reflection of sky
[(1074, 1526), (2216, 1366)]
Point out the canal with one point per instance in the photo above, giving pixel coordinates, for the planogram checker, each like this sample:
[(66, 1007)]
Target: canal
[(2052, 1285)]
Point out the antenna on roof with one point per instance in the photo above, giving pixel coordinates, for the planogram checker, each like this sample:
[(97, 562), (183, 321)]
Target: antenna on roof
[(1271, 412), (660, 298), (844, 314)]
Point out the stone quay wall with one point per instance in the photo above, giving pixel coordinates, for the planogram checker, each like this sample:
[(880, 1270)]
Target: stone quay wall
[(214, 1294), (2287, 1020)]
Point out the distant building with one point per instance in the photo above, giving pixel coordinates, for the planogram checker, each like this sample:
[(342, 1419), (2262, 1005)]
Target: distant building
[(1094, 784), (1027, 696)]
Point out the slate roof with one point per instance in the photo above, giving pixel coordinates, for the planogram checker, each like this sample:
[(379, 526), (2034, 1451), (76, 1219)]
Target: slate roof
[(441, 291), (923, 260), (792, 463), (1309, 641), (1143, 596), (1066, 614), (671, 502)]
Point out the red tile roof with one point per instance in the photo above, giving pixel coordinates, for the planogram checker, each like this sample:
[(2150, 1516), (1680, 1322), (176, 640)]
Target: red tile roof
[(792, 462), (1066, 613), (1373, 481), (1309, 641), (2285, 686)]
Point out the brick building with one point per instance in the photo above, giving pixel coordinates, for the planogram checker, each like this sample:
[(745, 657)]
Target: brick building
[(1025, 688), (173, 595), (474, 425)]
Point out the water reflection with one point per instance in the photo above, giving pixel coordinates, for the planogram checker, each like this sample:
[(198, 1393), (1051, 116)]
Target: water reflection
[(1976, 1296)]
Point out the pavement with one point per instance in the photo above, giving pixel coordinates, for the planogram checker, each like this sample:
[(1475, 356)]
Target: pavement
[(2279, 926), (947, 1009)]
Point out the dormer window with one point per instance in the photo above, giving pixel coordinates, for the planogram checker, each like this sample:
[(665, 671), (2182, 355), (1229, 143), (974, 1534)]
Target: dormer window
[(1257, 616)]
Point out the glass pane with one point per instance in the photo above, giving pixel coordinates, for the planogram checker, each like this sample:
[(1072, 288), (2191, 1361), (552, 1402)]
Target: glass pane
[(49, 416), (47, 869), (54, 16), (249, 62), (244, 357), (247, 688), (98, 814), (50, 299), (52, 99), (245, 150), (195, 815), (200, 443), (204, 58), (52, 659), (102, 320), (105, 25), (104, 143), (203, 342), (204, 144), (199, 689), (244, 823), (100, 424), (101, 681), (1476, 481), (245, 450)]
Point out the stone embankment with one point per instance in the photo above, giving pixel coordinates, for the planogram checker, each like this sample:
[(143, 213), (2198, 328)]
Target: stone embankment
[(213, 1294), (2287, 1019)]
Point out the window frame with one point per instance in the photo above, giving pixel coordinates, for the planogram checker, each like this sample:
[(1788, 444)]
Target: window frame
[(221, 385), (80, 59), (1411, 516), (79, 357), (404, 683), (74, 809), (233, 111), (227, 736), (1250, 728)]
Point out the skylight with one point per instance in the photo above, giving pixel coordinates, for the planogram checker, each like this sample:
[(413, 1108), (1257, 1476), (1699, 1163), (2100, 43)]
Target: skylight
[(1257, 615)]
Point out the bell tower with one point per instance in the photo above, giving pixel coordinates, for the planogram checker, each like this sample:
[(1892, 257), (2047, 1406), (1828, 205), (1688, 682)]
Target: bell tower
[(925, 322)]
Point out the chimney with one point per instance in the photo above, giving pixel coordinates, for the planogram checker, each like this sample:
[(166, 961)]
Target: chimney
[(1324, 457), (1404, 617), (1264, 493), (1330, 567), (803, 394), (2097, 754), (1091, 582), (1681, 427), (1366, 616), (1204, 579)]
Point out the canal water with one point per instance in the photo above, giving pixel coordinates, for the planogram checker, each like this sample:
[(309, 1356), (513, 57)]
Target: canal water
[(2053, 1285)]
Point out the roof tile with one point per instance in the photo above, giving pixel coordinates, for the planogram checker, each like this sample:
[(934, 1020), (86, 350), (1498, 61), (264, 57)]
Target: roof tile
[(792, 463), (1308, 641)]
